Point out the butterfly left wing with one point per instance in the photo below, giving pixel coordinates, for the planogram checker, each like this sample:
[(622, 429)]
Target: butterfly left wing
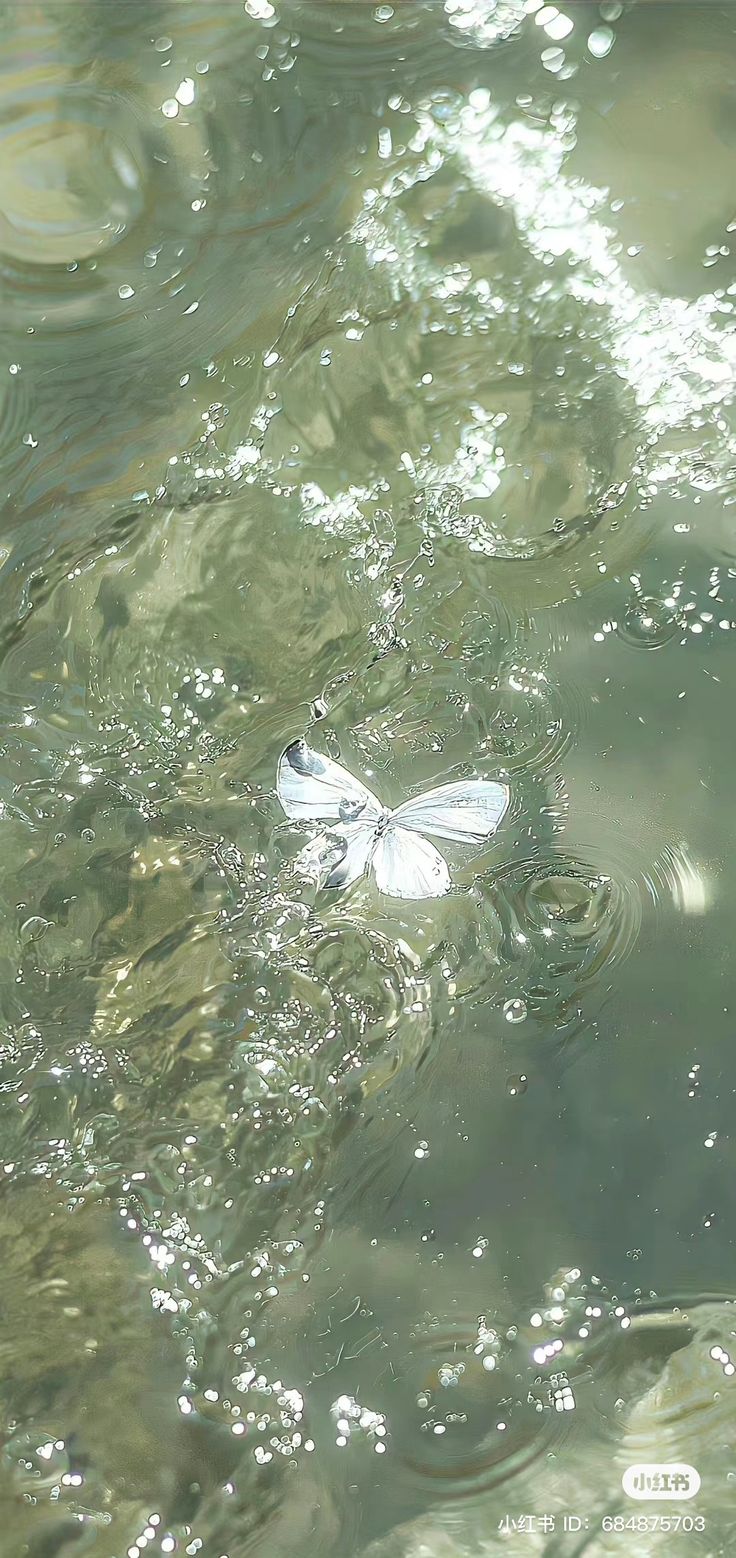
[(467, 812), (340, 857), (311, 788), (408, 866), (359, 838)]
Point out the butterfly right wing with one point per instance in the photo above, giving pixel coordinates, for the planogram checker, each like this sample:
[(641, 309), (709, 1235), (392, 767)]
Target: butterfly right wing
[(467, 812), (311, 788), (408, 866)]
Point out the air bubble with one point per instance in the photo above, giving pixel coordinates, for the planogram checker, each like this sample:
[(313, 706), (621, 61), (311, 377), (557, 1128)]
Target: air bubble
[(648, 623), (34, 928)]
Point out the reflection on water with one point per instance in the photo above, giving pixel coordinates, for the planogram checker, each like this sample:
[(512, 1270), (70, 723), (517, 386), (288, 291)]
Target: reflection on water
[(369, 375)]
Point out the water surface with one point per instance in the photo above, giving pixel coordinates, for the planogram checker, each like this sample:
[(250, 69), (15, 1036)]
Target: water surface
[(367, 375)]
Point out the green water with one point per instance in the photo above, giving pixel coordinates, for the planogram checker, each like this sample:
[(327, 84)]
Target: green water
[(367, 374)]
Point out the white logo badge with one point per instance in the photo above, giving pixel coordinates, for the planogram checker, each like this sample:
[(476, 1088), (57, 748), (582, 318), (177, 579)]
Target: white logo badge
[(661, 1480)]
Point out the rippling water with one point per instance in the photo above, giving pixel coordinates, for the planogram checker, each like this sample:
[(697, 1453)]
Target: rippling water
[(368, 375)]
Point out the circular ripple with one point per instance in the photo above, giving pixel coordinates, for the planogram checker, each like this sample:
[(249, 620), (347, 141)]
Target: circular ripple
[(649, 622), (529, 729), (482, 1412), (566, 926), (678, 875), (583, 1380), (72, 179)]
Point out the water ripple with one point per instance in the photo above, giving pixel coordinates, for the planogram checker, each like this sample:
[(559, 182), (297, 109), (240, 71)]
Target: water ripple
[(567, 925), (72, 184)]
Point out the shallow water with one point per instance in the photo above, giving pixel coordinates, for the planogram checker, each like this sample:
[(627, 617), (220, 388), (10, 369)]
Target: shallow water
[(368, 374)]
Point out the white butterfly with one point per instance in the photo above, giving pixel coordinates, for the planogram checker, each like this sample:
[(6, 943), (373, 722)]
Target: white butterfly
[(311, 788)]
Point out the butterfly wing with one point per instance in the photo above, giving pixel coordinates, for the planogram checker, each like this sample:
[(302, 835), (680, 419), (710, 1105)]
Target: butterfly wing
[(408, 866), (318, 859), (359, 838), (311, 788), (340, 857), (467, 812)]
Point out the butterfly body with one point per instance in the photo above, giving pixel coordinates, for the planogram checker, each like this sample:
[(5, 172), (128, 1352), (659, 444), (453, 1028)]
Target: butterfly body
[(363, 833)]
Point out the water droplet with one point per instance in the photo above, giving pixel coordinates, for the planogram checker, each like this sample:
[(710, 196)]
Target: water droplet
[(126, 291), (601, 41), (36, 1460), (648, 623), (558, 26), (553, 60), (515, 1085), (515, 1009), (185, 92)]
